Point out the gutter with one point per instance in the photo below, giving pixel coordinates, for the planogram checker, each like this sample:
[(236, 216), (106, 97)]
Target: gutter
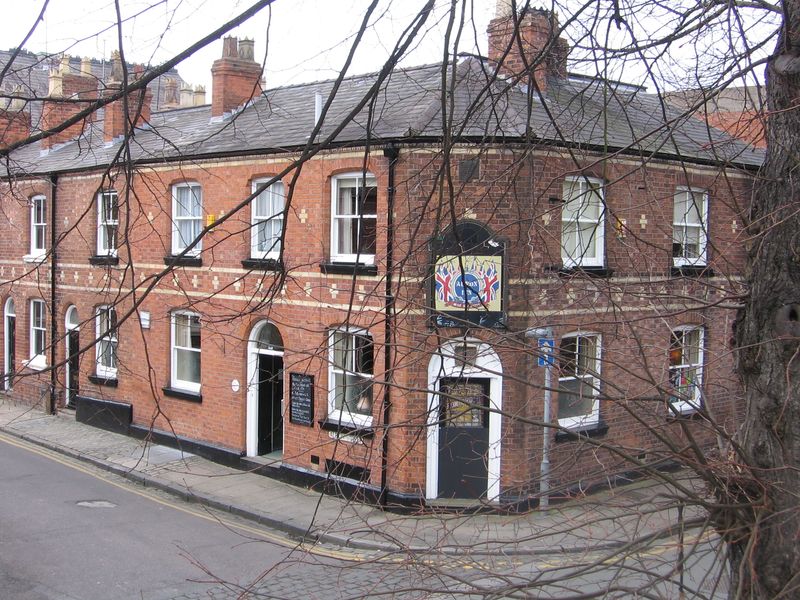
[(391, 152), (50, 408), (428, 141)]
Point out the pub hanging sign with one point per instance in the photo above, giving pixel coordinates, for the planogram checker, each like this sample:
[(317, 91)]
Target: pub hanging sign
[(468, 278)]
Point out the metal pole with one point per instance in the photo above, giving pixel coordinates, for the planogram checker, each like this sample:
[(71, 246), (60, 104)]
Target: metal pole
[(544, 484), (544, 469)]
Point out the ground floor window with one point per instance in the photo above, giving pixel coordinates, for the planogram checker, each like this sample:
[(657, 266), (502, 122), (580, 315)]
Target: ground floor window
[(38, 335), (351, 365), (186, 351), (578, 382), (106, 323), (686, 369)]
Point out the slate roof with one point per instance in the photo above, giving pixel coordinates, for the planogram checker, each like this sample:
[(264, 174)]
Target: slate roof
[(576, 111), (30, 72)]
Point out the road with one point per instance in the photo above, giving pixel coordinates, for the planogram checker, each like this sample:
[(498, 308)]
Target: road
[(69, 531)]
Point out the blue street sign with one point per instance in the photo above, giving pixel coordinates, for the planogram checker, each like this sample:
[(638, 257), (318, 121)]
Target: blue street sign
[(546, 357)]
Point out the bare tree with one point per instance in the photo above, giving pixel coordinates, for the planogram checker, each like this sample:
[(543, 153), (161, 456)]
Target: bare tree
[(507, 141)]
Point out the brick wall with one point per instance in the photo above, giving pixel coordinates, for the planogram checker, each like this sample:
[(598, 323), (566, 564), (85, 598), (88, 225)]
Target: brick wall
[(517, 195)]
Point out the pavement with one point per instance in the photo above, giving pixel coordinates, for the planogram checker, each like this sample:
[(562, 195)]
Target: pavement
[(631, 515)]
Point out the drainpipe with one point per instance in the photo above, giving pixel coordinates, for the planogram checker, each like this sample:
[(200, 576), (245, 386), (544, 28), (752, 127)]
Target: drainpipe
[(391, 152), (51, 403)]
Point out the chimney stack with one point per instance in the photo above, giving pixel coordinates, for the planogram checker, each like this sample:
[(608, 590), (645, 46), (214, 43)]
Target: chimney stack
[(114, 123), (15, 122), (70, 92), (236, 77), (541, 50), (171, 99)]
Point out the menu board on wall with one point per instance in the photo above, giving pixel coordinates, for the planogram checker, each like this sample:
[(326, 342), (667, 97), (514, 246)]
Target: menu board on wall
[(301, 399)]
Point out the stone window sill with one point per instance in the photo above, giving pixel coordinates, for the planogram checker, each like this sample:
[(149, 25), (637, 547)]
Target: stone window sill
[(592, 430), (100, 260), (100, 380), (182, 394)]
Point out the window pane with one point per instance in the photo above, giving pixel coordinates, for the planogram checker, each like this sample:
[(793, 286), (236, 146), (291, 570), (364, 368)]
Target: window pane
[(575, 398), (353, 394), (347, 235), (369, 197), (188, 230), (188, 201), (269, 338), (188, 365), (587, 353), (368, 233), (364, 360), (346, 201)]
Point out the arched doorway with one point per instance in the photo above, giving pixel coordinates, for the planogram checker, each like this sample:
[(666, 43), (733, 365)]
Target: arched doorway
[(465, 396), (264, 390), (9, 337), (72, 326)]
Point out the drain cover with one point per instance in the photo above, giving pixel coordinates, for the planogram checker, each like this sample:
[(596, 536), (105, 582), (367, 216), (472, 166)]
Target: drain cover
[(96, 504)]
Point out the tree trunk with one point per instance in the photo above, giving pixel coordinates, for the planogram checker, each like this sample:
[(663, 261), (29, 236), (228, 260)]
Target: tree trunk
[(765, 539)]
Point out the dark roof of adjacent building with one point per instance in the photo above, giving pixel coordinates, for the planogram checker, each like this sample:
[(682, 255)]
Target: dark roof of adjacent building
[(407, 108), (29, 73)]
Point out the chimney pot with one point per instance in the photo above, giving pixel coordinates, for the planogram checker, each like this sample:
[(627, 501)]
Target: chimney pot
[(86, 67), (199, 95), (247, 49), (230, 47), (187, 95)]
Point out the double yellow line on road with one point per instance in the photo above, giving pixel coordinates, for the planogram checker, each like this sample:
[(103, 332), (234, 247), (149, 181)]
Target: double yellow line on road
[(202, 513)]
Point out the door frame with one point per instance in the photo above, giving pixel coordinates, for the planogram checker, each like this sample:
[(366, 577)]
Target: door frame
[(71, 323), (251, 420), (8, 369), (487, 366)]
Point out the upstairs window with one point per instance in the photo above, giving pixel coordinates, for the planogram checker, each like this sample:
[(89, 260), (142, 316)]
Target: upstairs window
[(582, 223), (689, 227), (686, 369), (38, 335), (187, 217), (107, 222), (106, 348), (38, 227), (267, 221), (185, 341), (355, 207), (578, 382), (351, 365)]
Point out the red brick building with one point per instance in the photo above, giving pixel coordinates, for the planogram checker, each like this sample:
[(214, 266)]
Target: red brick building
[(321, 286)]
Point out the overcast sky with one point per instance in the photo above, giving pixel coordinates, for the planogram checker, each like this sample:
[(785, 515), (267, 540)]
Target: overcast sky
[(308, 39)]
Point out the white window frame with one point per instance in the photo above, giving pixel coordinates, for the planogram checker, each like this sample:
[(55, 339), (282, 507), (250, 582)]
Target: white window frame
[(361, 182), (591, 377), (37, 330), (684, 404), (336, 374), (574, 219), (178, 243), (682, 225), (107, 223), (175, 350), (38, 229), (274, 193), (106, 337)]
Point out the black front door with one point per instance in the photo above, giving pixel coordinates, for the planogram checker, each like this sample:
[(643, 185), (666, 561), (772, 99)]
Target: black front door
[(270, 397), (73, 347), (10, 352), (463, 438)]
